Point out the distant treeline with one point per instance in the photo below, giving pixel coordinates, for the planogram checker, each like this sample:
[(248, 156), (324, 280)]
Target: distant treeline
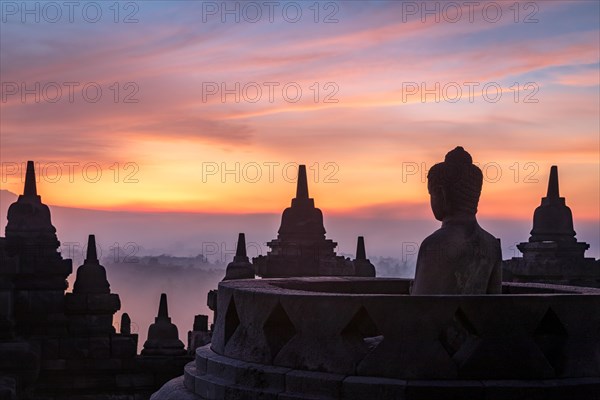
[(385, 266)]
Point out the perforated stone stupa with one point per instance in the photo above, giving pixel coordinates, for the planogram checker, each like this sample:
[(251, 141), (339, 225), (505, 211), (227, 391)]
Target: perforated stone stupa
[(163, 336), (301, 248), (553, 254), (63, 346)]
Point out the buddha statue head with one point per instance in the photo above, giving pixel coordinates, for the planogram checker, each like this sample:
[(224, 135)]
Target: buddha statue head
[(454, 185)]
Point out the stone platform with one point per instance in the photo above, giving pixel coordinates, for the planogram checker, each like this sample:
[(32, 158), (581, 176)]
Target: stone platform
[(356, 338), (213, 376)]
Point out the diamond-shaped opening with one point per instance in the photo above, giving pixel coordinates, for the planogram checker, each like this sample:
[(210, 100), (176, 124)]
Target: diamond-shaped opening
[(362, 326), (551, 336), (232, 320), (278, 329), (457, 332)]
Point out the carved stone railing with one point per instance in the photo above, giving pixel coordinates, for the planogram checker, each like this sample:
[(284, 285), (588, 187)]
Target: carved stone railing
[(372, 327)]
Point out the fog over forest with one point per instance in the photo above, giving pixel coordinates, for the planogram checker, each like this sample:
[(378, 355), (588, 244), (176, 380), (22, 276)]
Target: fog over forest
[(139, 281), (185, 254)]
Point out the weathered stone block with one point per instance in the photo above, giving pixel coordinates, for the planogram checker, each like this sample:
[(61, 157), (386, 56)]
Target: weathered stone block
[(367, 388), (444, 390), (79, 364), (39, 302), (88, 325), (55, 364), (8, 388), (579, 388), (197, 339), (135, 380), (99, 347), (50, 348), (224, 368), (75, 303), (189, 376), (263, 377), (103, 302), (18, 355), (129, 363), (6, 303), (74, 348), (173, 390), (210, 389), (314, 383), (201, 359), (236, 393), (89, 381), (123, 346)]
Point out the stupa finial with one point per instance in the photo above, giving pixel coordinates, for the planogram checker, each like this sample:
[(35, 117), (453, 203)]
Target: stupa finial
[(30, 188), (553, 183), (240, 267), (91, 256), (240, 252), (361, 254), (163, 312), (125, 324), (362, 265), (302, 184)]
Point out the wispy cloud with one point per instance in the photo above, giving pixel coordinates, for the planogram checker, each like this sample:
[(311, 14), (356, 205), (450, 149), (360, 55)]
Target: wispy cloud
[(369, 55)]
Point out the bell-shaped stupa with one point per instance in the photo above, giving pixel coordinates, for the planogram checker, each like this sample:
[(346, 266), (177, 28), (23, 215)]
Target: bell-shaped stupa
[(240, 267), (163, 336), (553, 254), (42, 272), (362, 265), (301, 248), (91, 306), (91, 276), (29, 219), (553, 220)]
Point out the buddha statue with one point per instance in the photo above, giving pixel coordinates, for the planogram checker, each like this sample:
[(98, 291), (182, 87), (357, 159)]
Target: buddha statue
[(460, 257)]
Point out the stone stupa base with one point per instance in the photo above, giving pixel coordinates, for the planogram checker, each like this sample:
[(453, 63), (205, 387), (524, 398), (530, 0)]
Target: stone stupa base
[(213, 377), (355, 338)]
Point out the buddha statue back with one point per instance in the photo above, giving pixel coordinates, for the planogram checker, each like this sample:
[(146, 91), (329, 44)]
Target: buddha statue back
[(460, 257)]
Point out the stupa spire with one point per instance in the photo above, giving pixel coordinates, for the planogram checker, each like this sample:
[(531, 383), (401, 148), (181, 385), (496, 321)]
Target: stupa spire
[(91, 256), (240, 267), (302, 184), (30, 188), (362, 265), (125, 324), (553, 183), (240, 253), (163, 311), (361, 254)]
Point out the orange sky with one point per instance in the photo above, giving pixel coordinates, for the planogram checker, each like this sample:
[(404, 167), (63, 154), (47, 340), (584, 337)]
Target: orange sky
[(164, 144)]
